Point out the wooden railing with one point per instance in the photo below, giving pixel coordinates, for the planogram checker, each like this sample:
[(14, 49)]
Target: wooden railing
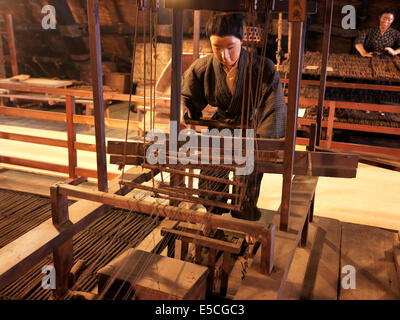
[(71, 119), (330, 124)]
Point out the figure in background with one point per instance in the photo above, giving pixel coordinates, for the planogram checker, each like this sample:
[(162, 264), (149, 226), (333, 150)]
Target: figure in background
[(381, 38)]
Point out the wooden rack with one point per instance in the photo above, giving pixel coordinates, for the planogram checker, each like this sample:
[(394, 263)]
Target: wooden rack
[(70, 96), (330, 124)]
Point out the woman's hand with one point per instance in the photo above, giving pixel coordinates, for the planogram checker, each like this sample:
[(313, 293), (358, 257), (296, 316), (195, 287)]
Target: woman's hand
[(391, 51), (367, 54), (184, 115)]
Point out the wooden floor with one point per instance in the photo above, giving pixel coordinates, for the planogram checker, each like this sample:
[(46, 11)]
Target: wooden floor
[(316, 270)]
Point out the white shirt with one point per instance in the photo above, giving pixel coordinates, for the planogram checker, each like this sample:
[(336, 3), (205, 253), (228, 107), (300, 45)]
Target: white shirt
[(231, 76)]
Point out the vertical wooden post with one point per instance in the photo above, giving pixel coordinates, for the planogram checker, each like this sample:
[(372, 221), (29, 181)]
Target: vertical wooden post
[(291, 125), (62, 255), (304, 232), (324, 65), (196, 35), (267, 250), (196, 54), (176, 72), (212, 254), (184, 249), (311, 147), (225, 273), (88, 112), (313, 137), (331, 119), (3, 73), (311, 214), (171, 248), (290, 32), (297, 16), (279, 40), (71, 134), (198, 250), (176, 78), (97, 83), (11, 44)]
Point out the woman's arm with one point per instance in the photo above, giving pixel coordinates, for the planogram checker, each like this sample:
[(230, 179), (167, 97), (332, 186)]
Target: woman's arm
[(392, 51), (360, 48)]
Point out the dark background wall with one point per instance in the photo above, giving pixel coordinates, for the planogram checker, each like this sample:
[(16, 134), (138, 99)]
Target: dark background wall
[(55, 53)]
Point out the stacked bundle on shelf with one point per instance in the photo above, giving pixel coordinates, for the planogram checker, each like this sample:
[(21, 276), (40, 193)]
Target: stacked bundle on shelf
[(384, 68)]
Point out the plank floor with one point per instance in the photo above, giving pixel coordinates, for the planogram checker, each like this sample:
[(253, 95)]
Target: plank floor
[(319, 270)]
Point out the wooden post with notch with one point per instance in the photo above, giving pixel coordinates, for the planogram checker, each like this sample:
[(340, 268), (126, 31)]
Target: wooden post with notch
[(63, 254), (267, 250), (311, 147), (297, 10), (196, 35), (176, 78), (97, 83), (324, 65), (71, 135), (11, 44), (331, 120)]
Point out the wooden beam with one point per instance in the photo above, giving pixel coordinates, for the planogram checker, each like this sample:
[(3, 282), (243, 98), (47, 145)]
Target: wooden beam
[(344, 147), (137, 147), (50, 167), (33, 139), (164, 210), (79, 93), (61, 117), (34, 114), (220, 5), (204, 241), (355, 127), (351, 105), (349, 85), (97, 84)]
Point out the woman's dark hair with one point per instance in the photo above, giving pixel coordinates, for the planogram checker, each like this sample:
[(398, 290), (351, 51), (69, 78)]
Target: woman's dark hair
[(225, 25), (388, 10)]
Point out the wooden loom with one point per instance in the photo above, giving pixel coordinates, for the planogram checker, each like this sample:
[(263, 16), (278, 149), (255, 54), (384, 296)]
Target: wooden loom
[(55, 235)]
